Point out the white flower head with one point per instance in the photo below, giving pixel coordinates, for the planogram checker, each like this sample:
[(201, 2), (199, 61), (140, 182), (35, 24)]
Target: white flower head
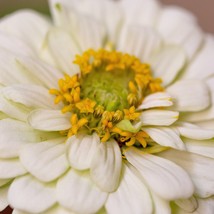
[(107, 108)]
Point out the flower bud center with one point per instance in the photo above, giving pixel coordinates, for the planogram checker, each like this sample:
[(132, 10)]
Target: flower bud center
[(104, 97)]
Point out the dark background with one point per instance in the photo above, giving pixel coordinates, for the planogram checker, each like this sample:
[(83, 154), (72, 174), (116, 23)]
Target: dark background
[(203, 9)]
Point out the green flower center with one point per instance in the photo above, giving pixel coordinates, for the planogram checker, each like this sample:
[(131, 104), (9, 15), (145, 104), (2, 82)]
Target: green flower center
[(108, 89)]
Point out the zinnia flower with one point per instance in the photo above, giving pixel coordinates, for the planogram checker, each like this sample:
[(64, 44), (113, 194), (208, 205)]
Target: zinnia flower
[(106, 109)]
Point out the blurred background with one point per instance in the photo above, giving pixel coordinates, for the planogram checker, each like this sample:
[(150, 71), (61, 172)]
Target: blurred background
[(203, 9)]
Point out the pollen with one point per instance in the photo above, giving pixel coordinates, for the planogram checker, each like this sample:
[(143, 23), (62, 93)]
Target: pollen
[(107, 91), (76, 124)]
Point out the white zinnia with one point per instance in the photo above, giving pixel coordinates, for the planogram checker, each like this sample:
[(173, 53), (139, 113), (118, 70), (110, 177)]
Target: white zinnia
[(43, 172)]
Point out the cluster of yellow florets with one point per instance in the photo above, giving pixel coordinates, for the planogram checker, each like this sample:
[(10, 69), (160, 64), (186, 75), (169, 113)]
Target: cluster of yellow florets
[(68, 93), (112, 60), (88, 114)]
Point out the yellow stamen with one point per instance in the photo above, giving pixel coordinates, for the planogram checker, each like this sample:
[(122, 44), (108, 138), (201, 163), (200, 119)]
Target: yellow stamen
[(132, 87), (132, 99), (131, 142), (106, 136), (140, 137), (68, 97), (98, 111), (86, 106), (117, 116), (76, 95), (67, 108), (130, 114), (116, 130), (155, 85), (76, 124), (58, 99), (74, 119), (108, 115), (82, 122), (54, 92)]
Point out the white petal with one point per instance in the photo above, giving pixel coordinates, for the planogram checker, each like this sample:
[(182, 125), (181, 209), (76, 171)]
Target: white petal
[(188, 205), (91, 8), (76, 192), (88, 32), (15, 45), (190, 95), (202, 118), (3, 198), (173, 17), (13, 110), (15, 68), (205, 117), (160, 205), (9, 70), (132, 196), (196, 133), (11, 168), (139, 41), (198, 167), (46, 160), (159, 99), (168, 62), (15, 211), (186, 124), (205, 206), (158, 117), (59, 10), (166, 137), (30, 195), (15, 134), (174, 20), (54, 210), (23, 24), (49, 120), (29, 95), (57, 210), (191, 44), (146, 11), (107, 13), (63, 49), (114, 21), (82, 150), (106, 166), (207, 124), (48, 76), (157, 96), (205, 147), (46, 56), (202, 65), (160, 175)]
